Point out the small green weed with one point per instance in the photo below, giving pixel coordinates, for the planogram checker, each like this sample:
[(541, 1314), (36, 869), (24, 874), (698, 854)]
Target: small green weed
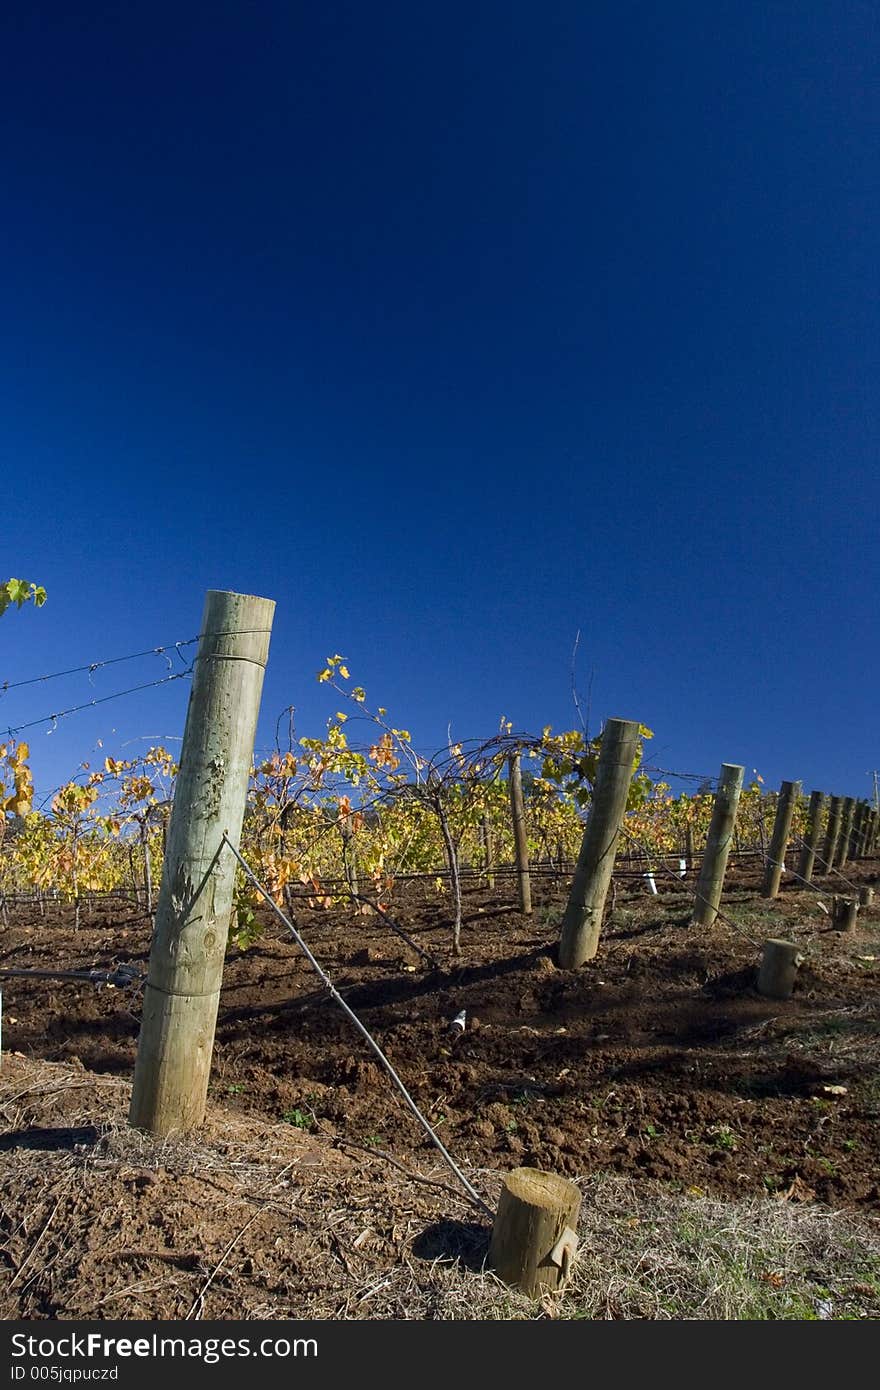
[(300, 1119)]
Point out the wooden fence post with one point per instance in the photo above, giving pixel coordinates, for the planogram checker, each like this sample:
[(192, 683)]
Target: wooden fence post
[(521, 846), (859, 830), (854, 826), (846, 818), (811, 840), (690, 852), (582, 921), (711, 880), (869, 831), (844, 912), (868, 841), (173, 1064), (832, 833), (779, 967), (488, 849), (789, 792), (534, 1237)]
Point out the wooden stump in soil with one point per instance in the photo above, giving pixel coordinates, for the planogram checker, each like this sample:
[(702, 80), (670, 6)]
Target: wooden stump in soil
[(844, 912), (533, 1238), (866, 896), (779, 967)]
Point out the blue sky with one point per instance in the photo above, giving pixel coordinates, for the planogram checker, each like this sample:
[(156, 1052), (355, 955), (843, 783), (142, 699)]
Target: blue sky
[(457, 331)]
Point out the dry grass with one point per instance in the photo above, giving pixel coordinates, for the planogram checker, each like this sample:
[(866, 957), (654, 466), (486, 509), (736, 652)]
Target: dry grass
[(249, 1220)]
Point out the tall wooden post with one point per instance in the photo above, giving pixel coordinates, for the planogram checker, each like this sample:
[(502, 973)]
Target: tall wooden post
[(690, 852), (711, 880), (520, 842), (195, 900), (811, 840), (869, 831), (789, 793), (859, 830), (582, 922), (832, 833), (488, 849), (854, 828), (846, 817)]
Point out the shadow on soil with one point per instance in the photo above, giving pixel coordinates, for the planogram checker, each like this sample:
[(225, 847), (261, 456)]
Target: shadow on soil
[(62, 1138), (462, 1243)]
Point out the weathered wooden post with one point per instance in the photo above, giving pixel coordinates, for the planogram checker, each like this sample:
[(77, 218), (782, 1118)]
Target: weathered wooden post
[(854, 829), (582, 921), (690, 853), (844, 912), (786, 805), (866, 895), (488, 849), (534, 1237), (711, 880), (832, 833), (860, 830), (779, 967), (808, 849), (869, 831), (846, 817), (520, 842), (195, 900)]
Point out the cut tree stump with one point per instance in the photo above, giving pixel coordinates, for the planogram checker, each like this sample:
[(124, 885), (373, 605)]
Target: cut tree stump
[(779, 967), (866, 896), (844, 912), (534, 1236)]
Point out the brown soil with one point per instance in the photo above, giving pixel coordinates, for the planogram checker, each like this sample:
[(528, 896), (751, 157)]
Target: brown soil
[(657, 1061)]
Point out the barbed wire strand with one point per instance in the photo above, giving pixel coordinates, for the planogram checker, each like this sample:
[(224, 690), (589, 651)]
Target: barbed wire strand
[(14, 730), (710, 781), (331, 988), (93, 666)]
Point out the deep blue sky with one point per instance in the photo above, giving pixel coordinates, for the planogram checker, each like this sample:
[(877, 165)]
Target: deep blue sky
[(456, 330)]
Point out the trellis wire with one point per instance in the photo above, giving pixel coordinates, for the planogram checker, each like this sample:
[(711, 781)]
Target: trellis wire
[(331, 988), (671, 872)]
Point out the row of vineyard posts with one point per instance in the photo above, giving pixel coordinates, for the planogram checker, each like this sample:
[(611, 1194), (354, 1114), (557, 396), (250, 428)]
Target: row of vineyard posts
[(534, 1228), (196, 897)]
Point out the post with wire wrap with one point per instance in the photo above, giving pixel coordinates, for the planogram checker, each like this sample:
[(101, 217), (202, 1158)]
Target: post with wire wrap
[(832, 833), (710, 883), (789, 795), (582, 922), (859, 830), (520, 842), (841, 857), (182, 993), (807, 861)]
